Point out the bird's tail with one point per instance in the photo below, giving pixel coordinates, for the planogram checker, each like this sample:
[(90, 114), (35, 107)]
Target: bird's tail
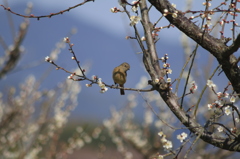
[(122, 92)]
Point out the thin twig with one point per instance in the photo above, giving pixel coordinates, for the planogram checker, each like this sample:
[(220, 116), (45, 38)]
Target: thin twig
[(45, 16), (201, 94)]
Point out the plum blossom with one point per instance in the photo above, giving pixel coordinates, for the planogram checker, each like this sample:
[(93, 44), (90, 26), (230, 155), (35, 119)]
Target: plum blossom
[(102, 86), (169, 80), (182, 136), (66, 40), (167, 145), (227, 110), (134, 20), (210, 106), (160, 134), (193, 87), (222, 95), (220, 129), (174, 15), (135, 6), (210, 83), (174, 5), (237, 120), (232, 99)]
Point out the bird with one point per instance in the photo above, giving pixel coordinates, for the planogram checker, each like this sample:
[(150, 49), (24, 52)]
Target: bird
[(119, 75)]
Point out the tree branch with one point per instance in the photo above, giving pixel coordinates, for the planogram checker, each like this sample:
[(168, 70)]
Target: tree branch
[(150, 57), (15, 52), (216, 47), (235, 46), (213, 45)]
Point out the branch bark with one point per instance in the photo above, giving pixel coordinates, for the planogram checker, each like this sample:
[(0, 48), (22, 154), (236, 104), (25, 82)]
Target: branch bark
[(216, 47), (213, 45)]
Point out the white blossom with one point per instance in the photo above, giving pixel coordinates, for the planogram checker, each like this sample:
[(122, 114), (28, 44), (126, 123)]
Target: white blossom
[(103, 90), (66, 40), (220, 129), (219, 102), (182, 136), (221, 22), (168, 145), (169, 80), (163, 139), (135, 6), (203, 16), (207, 4), (227, 110), (112, 10), (193, 87), (222, 95), (232, 99), (134, 20), (169, 71), (160, 157), (47, 59), (210, 106), (88, 85), (174, 5), (102, 86), (160, 134), (156, 80), (237, 120), (209, 23), (143, 38), (210, 83), (174, 15), (93, 77)]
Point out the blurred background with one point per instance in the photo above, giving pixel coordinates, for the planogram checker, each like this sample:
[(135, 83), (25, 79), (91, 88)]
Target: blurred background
[(100, 45)]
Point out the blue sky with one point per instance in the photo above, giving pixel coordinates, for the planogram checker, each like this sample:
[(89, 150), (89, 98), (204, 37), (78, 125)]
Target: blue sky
[(95, 13), (100, 41)]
